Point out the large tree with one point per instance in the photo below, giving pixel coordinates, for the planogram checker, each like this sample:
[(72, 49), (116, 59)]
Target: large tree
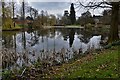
[(86, 18), (114, 22), (6, 15), (113, 35), (72, 14), (66, 19), (33, 12)]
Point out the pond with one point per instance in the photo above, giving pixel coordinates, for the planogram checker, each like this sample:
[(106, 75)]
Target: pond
[(54, 44)]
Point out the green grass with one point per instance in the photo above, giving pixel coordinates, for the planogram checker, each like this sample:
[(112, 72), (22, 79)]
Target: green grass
[(73, 26), (103, 65), (17, 27), (8, 25)]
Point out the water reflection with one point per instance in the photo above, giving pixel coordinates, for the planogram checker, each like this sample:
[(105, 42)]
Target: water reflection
[(52, 45), (71, 36)]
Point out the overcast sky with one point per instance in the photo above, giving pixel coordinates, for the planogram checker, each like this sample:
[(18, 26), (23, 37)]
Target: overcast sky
[(59, 7), (51, 7)]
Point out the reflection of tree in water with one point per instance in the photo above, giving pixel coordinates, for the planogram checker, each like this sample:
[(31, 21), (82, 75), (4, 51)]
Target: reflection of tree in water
[(35, 38), (52, 33), (15, 42), (64, 33), (42, 32), (24, 40), (68, 33), (71, 36), (65, 37), (9, 39), (29, 31), (86, 35)]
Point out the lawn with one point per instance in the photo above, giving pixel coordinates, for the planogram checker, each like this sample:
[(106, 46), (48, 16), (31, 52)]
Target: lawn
[(102, 65), (17, 27)]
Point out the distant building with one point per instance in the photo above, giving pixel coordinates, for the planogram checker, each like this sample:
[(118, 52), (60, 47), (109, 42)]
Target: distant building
[(86, 14), (97, 19), (20, 21), (66, 13)]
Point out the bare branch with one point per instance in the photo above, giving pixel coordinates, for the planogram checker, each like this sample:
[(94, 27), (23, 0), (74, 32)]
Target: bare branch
[(94, 5)]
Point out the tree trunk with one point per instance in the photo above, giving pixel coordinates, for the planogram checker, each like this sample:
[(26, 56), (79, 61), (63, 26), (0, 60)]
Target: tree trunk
[(23, 9), (3, 13), (23, 15), (13, 6), (113, 36)]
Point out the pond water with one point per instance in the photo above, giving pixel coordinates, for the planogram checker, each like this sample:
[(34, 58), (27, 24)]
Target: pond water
[(45, 44)]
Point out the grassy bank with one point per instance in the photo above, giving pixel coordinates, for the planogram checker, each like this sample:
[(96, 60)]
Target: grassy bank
[(102, 65), (17, 27)]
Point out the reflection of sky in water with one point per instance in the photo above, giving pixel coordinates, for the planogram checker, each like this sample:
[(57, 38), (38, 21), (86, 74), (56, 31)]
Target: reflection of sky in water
[(76, 43), (50, 41), (47, 43), (60, 42)]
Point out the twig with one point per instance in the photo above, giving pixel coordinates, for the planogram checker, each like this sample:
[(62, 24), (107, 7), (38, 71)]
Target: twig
[(23, 72)]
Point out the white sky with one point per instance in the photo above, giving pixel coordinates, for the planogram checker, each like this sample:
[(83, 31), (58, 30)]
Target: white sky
[(58, 6)]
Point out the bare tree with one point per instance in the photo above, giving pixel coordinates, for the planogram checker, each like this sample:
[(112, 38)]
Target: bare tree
[(113, 35), (6, 14), (33, 12), (13, 8), (24, 9)]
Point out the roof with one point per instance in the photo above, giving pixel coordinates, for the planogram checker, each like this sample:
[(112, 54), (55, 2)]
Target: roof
[(19, 21), (97, 17)]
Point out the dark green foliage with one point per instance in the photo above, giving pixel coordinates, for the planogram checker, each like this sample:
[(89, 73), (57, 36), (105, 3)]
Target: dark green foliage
[(65, 20), (116, 43), (86, 18), (72, 14), (6, 75)]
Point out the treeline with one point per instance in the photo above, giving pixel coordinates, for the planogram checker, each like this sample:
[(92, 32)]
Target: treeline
[(65, 19), (11, 12), (88, 18), (104, 18)]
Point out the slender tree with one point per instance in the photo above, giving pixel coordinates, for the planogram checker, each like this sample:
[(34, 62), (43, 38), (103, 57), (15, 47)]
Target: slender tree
[(13, 8), (23, 10), (3, 12), (72, 14), (33, 12), (23, 17), (42, 14)]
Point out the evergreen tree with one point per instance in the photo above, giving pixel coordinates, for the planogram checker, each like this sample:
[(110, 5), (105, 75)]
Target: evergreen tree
[(72, 14)]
